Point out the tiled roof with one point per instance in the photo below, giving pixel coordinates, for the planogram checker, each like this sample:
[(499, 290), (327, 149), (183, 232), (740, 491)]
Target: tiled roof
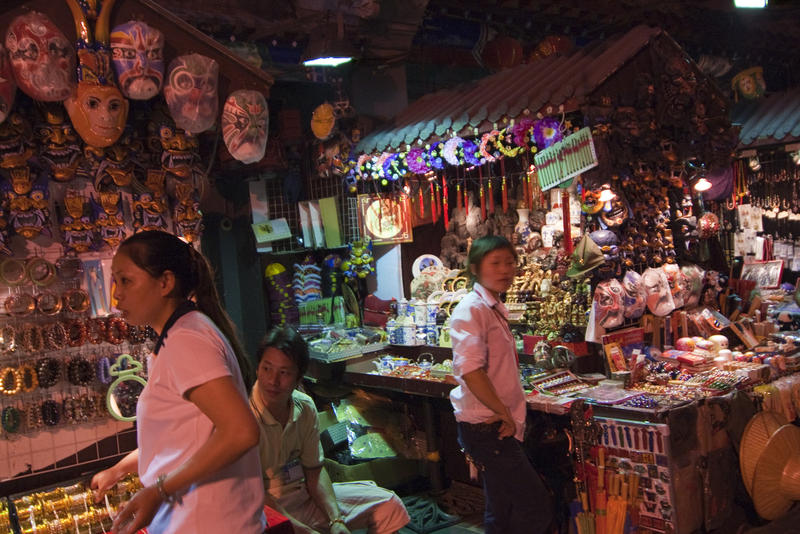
[(484, 103), (769, 121)]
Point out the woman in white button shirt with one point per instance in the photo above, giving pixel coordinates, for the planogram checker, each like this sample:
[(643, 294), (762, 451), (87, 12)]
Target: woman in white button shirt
[(489, 403)]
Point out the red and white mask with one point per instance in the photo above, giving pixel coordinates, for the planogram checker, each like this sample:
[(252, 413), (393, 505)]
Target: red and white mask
[(609, 312), (138, 56), (42, 58), (658, 294), (191, 92), (7, 85), (244, 125), (633, 298)]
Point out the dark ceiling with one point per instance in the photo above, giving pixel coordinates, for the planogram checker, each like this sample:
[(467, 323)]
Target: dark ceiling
[(445, 36)]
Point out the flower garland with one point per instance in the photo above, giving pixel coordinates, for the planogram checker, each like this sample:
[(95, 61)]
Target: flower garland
[(547, 132), (502, 142), (416, 159), (471, 153), (386, 167), (521, 132), (434, 156), (450, 150), (362, 170), (488, 140)]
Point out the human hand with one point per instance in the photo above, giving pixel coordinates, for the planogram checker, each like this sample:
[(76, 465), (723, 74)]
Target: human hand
[(507, 425), (138, 513), (102, 482), (339, 528)]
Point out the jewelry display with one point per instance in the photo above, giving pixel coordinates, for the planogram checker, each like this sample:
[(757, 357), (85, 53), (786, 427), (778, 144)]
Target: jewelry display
[(104, 370), (13, 272), (49, 372), (40, 271), (48, 303), (28, 377), (77, 333), (68, 268), (51, 412), (124, 392), (96, 330), (10, 381), (8, 338), (12, 419), (116, 330), (20, 305), (80, 371), (76, 300), (55, 336)]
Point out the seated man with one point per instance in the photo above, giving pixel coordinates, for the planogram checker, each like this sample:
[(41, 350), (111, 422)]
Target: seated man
[(296, 483)]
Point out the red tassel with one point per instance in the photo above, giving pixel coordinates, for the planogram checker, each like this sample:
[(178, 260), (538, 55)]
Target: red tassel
[(466, 201), (438, 199), (483, 203), (434, 215), (491, 197), (446, 209), (421, 203)]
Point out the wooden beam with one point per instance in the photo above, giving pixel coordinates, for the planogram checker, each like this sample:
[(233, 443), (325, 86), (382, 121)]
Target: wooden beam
[(180, 38)]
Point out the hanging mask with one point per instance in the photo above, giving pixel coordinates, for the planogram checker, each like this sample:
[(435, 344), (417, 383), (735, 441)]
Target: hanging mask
[(116, 166), (97, 109), (244, 125), (59, 145), (42, 58), (7, 86), (187, 217), (108, 220), (656, 289), (677, 283), (591, 202), (608, 296), (28, 211), (179, 157), (633, 297), (16, 142), (149, 212), (694, 276), (614, 212), (137, 51), (77, 223), (191, 92)]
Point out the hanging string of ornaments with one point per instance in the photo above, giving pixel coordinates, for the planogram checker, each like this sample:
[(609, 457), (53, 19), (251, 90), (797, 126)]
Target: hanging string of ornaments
[(429, 165)]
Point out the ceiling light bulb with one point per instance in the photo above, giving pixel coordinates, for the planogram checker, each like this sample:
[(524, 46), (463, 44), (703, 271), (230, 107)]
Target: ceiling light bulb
[(702, 185), (750, 3), (606, 194), (754, 164)]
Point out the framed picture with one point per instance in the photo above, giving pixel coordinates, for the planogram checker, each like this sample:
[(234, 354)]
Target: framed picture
[(766, 274), (385, 219)]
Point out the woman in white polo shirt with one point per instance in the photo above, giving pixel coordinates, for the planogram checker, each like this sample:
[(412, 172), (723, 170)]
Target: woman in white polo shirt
[(489, 403), (197, 456)]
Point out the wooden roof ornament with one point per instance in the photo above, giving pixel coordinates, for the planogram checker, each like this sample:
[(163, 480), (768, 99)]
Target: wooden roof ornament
[(181, 37)]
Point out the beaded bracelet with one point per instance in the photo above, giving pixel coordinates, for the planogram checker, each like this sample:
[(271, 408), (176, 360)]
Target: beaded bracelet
[(51, 412), (48, 371), (96, 330), (29, 379), (9, 336), (20, 305), (76, 333), (11, 419), (10, 381), (104, 370), (116, 330), (33, 419), (68, 409), (136, 334), (80, 371), (55, 336), (34, 338)]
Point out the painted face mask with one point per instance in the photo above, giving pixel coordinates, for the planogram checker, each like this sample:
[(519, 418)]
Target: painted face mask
[(677, 283), (148, 212), (42, 58), (29, 211), (77, 223), (633, 297), (137, 51), (59, 145), (186, 215), (98, 113), (7, 86), (608, 296), (191, 92), (244, 125), (108, 218), (656, 289)]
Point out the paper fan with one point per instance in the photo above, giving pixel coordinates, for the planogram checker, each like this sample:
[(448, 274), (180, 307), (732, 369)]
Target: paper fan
[(754, 438), (426, 260), (775, 480)]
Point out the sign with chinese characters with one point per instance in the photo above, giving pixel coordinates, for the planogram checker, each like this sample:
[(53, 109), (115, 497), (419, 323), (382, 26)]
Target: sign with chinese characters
[(567, 158)]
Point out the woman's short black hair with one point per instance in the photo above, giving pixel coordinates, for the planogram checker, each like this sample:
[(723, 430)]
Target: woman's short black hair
[(288, 341), (483, 246)]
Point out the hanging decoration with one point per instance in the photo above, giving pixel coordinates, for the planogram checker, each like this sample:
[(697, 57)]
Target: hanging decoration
[(7, 86), (245, 120), (191, 92), (41, 57), (451, 150), (446, 209), (137, 52)]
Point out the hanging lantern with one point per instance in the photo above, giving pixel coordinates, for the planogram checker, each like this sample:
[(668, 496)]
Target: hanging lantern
[(502, 52)]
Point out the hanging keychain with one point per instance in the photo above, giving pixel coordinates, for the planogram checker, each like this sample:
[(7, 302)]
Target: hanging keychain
[(483, 200), (503, 188)]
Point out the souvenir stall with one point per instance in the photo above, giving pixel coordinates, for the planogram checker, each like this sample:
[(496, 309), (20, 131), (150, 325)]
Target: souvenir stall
[(85, 161), (600, 185)]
